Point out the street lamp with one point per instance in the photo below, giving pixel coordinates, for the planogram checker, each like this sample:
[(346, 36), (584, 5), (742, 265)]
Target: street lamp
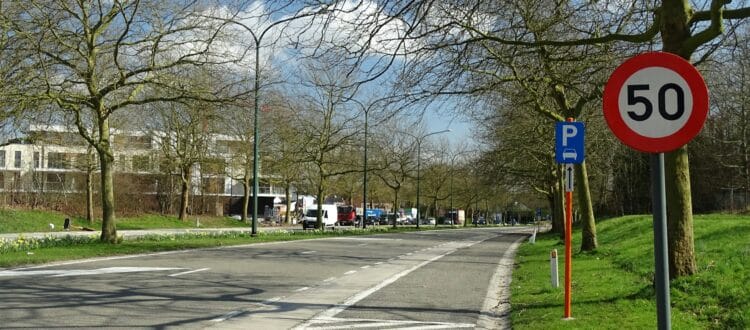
[(419, 157), (257, 38), (366, 110)]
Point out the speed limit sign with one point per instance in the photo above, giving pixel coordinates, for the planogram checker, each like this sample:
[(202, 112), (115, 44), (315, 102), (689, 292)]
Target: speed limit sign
[(655, 102)]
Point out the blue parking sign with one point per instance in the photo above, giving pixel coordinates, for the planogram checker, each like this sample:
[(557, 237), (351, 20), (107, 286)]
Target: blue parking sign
[(569, 146)]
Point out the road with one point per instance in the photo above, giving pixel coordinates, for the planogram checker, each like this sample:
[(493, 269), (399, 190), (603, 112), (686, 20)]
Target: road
[(447, 279)]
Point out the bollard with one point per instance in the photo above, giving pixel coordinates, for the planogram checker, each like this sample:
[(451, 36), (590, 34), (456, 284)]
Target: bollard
[(532, 239), (66, 224), (553, 269)]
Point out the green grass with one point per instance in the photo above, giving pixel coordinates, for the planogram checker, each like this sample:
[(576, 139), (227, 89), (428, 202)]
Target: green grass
[(612, 287), (25, 221)]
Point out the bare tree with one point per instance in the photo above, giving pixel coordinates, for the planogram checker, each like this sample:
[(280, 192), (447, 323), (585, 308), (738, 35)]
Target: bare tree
[(325, 123), (93, 59), (454, 27)]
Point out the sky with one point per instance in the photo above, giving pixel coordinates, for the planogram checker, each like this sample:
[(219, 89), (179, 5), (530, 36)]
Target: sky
[(436, 119)]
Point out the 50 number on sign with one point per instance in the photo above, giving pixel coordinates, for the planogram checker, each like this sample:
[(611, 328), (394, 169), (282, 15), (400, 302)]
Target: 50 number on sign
[(679, 103)]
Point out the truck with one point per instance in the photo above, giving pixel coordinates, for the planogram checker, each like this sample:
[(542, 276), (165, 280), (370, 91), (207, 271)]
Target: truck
[(372, 217), (330, 217), (347, 215)]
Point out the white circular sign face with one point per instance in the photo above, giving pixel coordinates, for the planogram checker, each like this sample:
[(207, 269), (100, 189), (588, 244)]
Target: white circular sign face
[(656, 125), (655, 102)]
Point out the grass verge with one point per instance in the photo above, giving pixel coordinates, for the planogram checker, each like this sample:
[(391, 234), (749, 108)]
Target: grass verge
[(612, 287), (25, 221)]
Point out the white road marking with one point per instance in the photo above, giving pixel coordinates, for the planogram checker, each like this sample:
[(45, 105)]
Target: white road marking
[(350, 272), (190, 272), (361, 244), (365, 267), (333, 311), (112, 270), (333, 323), (302, 289), (309, 252), (329, 279), (79, 272), (379, 263), (227, 316), (274, 299)]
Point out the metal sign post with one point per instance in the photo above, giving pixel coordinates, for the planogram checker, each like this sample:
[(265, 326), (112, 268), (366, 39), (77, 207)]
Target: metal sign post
[(659, 201), (656, 102), (569, 150)]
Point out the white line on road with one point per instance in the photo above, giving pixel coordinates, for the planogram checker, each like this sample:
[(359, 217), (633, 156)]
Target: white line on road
[(274, 299), (379, 263), (227, 316), (302, 289), (333, 311), (362, 244), (309, 252), (329, 279), (350, 272), (190, 272), (365, 267)]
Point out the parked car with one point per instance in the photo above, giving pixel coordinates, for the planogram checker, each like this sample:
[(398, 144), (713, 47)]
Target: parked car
[(330, 217), (370, 221)]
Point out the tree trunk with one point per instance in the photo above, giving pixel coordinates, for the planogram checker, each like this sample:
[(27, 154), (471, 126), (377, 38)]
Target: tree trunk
[(321, 200), (245, 198), (109, 233), (395, 207), (588, 239), (558, 213), (90, 196), (184, 192), (675, 32), (679, 214), (288, 197)]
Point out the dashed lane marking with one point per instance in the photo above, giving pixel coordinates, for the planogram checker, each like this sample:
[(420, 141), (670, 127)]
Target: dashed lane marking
[(190, 272)]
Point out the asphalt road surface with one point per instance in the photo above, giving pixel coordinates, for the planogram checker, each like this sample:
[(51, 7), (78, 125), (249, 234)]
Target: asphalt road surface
[(448, 279)]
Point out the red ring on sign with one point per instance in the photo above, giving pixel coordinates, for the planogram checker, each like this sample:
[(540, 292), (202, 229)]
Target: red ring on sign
[(682, 136)]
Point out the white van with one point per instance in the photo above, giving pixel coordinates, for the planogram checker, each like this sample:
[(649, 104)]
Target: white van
[(330, 216)]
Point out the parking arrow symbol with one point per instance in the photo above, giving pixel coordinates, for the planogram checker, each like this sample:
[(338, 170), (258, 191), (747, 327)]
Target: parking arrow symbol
[(569, 177)]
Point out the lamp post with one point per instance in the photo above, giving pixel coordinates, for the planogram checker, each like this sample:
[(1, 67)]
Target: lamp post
[(364, 183), (257, 39), (419, 140), (366, 110)]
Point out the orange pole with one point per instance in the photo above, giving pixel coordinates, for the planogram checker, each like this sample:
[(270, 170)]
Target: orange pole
[(568, 249)]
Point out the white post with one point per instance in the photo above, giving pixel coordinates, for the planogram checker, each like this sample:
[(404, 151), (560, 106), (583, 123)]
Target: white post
[(532, 239), (553, 269)]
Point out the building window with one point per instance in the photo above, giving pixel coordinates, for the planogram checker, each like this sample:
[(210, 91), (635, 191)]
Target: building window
[(141, 163), (36, 159), (17, 161), (2, 158), (57, 160)]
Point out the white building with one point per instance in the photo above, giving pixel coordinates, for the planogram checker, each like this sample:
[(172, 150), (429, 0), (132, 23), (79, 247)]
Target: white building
[(52, 161)]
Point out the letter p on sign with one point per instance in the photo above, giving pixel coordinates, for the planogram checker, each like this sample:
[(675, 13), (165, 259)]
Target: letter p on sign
[(569, 131), (569, 142)]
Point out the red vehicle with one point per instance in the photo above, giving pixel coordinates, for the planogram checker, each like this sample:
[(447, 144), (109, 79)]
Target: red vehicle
[(347, 215)]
